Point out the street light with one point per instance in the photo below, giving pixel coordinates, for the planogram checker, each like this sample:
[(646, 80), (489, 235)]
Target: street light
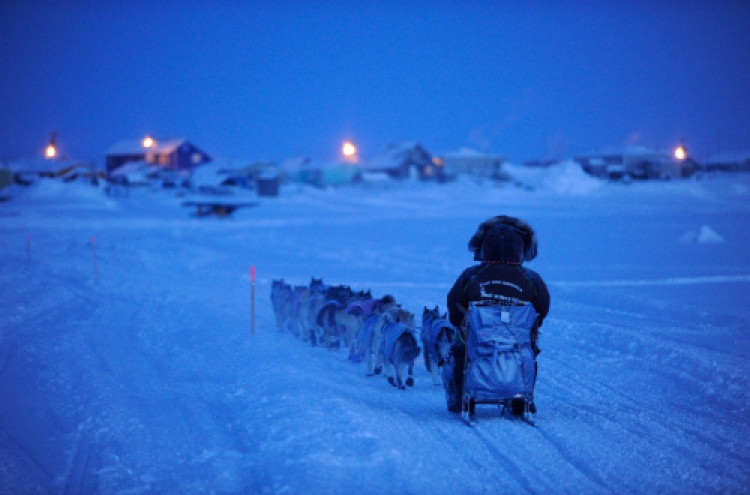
[(680, 153), (349, 151), (51, 150)]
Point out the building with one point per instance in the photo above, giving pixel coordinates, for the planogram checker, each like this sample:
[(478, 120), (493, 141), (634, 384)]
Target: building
[(728, 161), (634, 162), (26, 172), (467, 161), (173, 154), (320, 173), (406, 160)]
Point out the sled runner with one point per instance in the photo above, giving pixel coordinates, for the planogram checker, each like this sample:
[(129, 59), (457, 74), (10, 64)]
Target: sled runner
[(499, 361)]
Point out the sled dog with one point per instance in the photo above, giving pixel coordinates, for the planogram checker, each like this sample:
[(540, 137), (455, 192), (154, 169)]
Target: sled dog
[(437, 336), (398, 350)]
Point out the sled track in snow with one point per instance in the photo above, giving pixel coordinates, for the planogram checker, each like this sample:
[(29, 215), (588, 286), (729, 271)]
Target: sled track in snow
[(508, 463), (80, 476), (28, 454), (567, 455), (422, 419)]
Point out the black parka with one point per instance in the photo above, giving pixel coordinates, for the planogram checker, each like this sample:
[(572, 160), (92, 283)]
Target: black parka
[(502, 244), (490, 281)]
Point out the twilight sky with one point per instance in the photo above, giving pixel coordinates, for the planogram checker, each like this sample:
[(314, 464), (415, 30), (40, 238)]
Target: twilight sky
[(271, 80)]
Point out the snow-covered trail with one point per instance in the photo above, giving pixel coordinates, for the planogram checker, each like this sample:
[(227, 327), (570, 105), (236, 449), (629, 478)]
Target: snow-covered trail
[(148, 379)]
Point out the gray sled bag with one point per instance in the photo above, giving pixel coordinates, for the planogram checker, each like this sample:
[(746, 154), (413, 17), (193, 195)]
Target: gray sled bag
[(500, 361)]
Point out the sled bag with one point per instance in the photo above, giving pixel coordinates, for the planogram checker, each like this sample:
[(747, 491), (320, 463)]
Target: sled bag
[(500, 359)]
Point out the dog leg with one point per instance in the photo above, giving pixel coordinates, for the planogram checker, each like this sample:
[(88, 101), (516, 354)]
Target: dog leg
[(399, 374), (410, 378), (354, 355), (379, 364), (398, 377), (369, 365)]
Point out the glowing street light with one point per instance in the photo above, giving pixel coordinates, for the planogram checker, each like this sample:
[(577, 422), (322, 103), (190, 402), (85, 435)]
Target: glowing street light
[(349, 151), (148, 142), (51, 150), (680, 153)]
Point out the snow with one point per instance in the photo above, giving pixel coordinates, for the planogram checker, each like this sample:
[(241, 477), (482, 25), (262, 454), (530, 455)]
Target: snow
[(703, 235), (141, 374), (566, 178), (466, 152)]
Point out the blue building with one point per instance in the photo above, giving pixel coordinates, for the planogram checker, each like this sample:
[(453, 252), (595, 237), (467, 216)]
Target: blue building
[(173, 154)]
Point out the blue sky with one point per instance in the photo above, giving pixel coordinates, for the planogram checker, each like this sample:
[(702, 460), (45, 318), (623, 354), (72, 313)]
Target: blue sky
[(271, 80)]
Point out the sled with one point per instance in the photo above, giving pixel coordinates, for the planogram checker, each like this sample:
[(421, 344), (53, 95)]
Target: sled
[(499, 360), (219, 209)]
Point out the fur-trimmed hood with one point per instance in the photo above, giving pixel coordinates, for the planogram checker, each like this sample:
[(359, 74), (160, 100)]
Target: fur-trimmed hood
[(504, 238)]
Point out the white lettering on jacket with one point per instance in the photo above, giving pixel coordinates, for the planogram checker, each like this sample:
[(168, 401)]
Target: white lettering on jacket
[(484, 286)]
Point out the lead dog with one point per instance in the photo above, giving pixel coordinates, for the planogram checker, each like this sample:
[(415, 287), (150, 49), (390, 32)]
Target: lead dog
[(281, 298)]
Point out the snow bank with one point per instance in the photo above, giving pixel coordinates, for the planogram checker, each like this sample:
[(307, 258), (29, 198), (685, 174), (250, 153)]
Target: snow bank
[(66, 194), (704, 235), (565, 178)]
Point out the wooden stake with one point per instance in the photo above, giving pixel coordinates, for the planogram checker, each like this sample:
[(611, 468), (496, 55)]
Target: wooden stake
[(252, 299)]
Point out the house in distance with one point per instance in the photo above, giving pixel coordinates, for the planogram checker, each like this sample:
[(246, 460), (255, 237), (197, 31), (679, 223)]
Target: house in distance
[(635, 162), (467, 161), (173, 154), (403, 160)]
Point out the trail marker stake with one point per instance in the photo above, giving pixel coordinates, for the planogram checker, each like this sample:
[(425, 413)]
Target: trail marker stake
[(93, 248), (252, 299)]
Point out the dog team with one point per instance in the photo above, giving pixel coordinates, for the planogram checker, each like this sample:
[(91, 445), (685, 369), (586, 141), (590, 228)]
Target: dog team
[(375, 330)]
